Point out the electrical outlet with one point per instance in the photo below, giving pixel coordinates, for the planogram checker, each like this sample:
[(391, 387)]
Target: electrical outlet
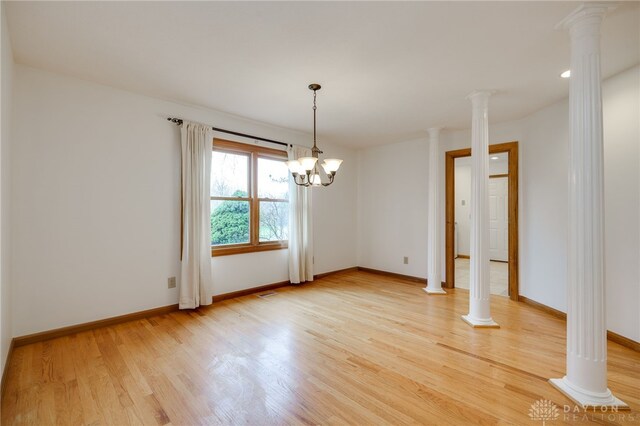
[(171, 282), (406, 260)]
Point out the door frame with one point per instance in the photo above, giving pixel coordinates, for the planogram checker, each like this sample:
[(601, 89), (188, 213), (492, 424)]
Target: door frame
[(450, 156)]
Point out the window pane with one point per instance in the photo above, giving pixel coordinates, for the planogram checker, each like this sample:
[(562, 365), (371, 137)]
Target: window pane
[(273, 179), (274, 221), (229, 174), (229, 222)]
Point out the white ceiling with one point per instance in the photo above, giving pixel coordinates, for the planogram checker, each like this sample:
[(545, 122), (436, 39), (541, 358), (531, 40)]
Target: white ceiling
[(389, 70)]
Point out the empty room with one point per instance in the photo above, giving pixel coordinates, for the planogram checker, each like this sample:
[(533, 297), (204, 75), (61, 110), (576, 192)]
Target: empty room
[(346, 213)]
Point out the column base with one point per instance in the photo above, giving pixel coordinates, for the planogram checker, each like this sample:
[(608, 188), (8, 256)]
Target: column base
[(480, 323), (588, 400), (434, 291)]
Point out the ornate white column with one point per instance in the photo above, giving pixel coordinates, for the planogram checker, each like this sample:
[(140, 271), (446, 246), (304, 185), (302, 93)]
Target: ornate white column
[(434, 279), (479, 290), (586, 379)]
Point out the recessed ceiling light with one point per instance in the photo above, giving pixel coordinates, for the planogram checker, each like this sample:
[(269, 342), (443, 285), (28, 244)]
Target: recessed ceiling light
[(495, 158), (566, 74)]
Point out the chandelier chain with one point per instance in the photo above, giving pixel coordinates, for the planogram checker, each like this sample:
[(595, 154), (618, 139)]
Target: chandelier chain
[(314, 118)]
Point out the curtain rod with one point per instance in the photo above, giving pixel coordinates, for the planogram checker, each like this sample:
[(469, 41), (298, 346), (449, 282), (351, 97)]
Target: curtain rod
[(178, 121)]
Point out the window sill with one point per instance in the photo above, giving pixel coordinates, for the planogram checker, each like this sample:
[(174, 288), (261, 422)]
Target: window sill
[(241, 249)]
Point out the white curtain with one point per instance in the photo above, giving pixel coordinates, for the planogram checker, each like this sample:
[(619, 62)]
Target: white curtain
[(196, 281), (300, 226)]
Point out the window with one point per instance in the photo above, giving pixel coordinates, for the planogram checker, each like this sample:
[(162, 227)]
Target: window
[(249, 198)]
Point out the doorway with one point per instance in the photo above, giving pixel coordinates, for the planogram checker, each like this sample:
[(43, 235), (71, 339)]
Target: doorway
[(503, 213)]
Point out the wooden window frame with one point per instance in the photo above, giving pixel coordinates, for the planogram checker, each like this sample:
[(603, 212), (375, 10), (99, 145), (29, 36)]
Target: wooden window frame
[(253, 153)]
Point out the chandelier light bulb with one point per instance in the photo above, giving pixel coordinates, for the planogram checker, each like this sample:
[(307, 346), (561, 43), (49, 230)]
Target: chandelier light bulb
[(315, 180), (294, 166), (332, 164), (307, 163)]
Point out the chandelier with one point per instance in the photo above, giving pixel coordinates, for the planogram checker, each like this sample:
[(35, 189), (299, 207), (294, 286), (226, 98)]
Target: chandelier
[(305, 170)]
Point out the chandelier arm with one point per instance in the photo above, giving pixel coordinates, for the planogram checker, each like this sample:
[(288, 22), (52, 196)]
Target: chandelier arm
[(330, 180), (302, 180)]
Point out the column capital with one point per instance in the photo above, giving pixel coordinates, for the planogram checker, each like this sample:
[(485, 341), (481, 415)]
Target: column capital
[(434, 132), (480, 96), (586, 11)]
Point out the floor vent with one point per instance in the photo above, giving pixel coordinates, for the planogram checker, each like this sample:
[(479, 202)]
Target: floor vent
[(271, 293)]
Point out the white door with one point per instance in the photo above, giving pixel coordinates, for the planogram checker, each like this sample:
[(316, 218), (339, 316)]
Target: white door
[(498, 219)]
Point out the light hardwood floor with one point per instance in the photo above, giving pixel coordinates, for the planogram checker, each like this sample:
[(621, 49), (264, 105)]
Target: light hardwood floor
[(350, 348)]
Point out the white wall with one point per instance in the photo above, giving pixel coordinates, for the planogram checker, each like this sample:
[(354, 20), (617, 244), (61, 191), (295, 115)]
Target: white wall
[(335, 215), (392, 193), (622, 201), (96, 203), (543, 189), (6, 75), (543, 162)]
